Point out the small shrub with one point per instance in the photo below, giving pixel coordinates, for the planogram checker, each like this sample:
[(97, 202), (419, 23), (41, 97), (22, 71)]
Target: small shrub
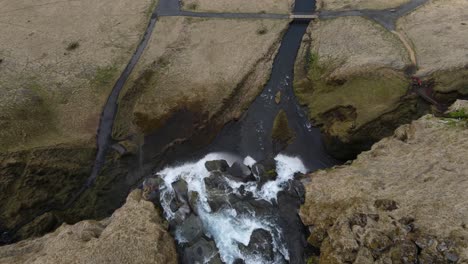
[(192, 6), (459, 114), (262, 31), (73, 46)]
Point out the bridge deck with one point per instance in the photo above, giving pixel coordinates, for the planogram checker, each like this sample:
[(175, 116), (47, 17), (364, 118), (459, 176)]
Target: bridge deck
[(303, 16)]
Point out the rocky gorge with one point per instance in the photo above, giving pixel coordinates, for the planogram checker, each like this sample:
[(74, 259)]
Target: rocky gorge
[(211, 78)]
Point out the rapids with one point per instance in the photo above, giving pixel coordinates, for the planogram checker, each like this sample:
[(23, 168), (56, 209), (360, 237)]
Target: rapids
[(226, 226)]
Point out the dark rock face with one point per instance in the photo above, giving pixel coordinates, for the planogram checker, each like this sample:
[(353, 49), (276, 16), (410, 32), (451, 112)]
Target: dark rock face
[(289, 202), (180, 188), (261, 243), (264, 171), (200, 251), (190, 230), (216, 181), (240, 172), (217, 165)]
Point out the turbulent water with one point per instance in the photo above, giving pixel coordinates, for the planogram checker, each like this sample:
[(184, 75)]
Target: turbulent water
[(226, 226)]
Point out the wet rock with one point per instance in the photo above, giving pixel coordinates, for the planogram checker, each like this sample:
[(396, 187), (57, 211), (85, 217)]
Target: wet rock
[(180, 205), (260, 244), (264, 173), (245, 194), (151, 189), (295, 189), (240, 172), (200, 251), (386, 204), (258, 170), (238, 261), (194, 198), (217, 165), (190, 230), (181, 214), (181, 190), (221, 200), (244, 208), (216, 181), (262, 207)]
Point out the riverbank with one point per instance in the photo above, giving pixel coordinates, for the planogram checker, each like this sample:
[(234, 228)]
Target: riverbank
[(355, 69)]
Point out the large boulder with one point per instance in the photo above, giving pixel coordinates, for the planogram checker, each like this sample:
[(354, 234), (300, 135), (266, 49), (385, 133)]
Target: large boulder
[(190, 230), (260, 244), (402, 202), (133, 234), (216, 165), (240, 172), (199, 252)]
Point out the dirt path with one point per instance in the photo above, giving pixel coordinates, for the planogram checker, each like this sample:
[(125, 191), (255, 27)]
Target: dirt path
[(387, 17)]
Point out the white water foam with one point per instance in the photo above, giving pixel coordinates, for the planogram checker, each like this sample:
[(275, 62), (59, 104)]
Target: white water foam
[(225, 226), (249, 161)]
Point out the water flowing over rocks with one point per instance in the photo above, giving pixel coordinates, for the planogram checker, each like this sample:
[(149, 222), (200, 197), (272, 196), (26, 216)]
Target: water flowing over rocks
[(226, 214), (404, 201), (135, 233)]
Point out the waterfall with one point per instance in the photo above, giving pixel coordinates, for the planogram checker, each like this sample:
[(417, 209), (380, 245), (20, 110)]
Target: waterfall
[(230, 227)]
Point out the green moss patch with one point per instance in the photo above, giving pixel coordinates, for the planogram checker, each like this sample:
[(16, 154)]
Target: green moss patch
[(371, 94), (105, 76), (460, 114), (281, 131)]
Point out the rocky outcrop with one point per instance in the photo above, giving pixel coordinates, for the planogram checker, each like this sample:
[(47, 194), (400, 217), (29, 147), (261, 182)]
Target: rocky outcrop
[(404, 201), (355, 74), (135, 233), (32, 181)]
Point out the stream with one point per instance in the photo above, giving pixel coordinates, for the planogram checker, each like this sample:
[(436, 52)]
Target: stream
[(237, 200)]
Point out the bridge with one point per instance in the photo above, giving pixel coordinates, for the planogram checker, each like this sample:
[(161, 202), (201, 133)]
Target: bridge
[(303, 16)]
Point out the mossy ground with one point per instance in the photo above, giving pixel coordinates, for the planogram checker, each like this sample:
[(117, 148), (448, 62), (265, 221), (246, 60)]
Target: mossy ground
[(281, 131), (371, 94)]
